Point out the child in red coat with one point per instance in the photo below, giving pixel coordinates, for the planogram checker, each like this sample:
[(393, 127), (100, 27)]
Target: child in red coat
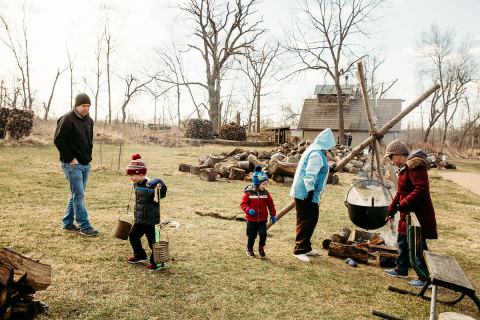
[(257, 203)]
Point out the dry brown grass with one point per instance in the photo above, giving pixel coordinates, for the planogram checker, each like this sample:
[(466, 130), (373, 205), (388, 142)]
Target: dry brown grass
[(211, 278)]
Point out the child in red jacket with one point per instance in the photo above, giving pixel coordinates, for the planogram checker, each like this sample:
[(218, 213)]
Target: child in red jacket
[(257, 204)]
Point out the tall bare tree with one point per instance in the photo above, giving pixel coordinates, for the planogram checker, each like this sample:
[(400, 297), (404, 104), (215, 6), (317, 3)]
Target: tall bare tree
[(22, 59), (454, 68), (258, 63), (108, 52), (71, 67), (132, 88), (327, 39), (224, 30)]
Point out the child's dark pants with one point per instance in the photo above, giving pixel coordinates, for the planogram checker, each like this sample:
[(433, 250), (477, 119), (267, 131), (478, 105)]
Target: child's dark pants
[(252, 229), (403, 259), (136, 233)]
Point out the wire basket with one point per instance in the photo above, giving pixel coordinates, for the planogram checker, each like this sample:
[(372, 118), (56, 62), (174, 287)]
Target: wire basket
[(161, 252)]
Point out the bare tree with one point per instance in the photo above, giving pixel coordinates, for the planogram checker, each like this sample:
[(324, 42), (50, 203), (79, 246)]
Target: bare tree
[(108, 52), (258, 63), (22, 59), (70, 67), (223, 31), (132, 88), (453, 68), (325, 42), (46, 106)]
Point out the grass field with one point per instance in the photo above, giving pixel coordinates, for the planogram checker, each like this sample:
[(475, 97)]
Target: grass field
[(211, 277)]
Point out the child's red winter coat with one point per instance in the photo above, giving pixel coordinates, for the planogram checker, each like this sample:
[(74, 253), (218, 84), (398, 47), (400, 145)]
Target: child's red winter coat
[(260, 201)]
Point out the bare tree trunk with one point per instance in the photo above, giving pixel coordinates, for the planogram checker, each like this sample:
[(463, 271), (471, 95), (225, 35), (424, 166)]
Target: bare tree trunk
[(258, 105), (47, 106), (341, 130)]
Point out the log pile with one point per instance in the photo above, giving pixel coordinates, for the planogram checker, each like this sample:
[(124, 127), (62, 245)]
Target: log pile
[(362, 246), (17, 123), (233, 131), (279, 163), (20, 278), (199, 129)]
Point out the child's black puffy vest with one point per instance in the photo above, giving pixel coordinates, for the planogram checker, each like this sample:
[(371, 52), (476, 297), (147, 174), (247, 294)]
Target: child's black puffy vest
[(147, 211)]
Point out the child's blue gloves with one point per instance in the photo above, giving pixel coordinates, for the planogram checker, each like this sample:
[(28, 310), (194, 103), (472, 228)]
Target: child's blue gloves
[(251, 212), (273, 219)]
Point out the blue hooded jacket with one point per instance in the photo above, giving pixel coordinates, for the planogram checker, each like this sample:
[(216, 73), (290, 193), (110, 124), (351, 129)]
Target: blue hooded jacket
[(312, 169)]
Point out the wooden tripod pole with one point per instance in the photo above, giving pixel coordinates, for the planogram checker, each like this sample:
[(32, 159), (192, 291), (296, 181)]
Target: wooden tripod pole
[(355, 151), (371, 123)]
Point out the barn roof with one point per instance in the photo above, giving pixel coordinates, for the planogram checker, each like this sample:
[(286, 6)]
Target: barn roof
[(318, 116), (331, 90)]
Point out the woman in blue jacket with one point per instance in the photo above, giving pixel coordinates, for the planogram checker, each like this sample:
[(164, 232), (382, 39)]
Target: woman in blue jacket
[(308, 184)]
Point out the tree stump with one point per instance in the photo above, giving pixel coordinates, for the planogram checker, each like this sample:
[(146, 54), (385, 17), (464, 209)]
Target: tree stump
[(253, 160), (223, 168), (208, 174), (183, 167), (245, 165), (278, 179), (333, 179), (236, 174)]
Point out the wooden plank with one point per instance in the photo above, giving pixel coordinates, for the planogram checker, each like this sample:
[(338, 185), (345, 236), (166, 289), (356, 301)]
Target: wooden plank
[(18, 276), (414, 221), (446, 272)]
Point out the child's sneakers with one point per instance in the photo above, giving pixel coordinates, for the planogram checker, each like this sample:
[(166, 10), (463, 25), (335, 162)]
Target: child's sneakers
[(261, 253), (156, 267), (134, 260), (250, 253)]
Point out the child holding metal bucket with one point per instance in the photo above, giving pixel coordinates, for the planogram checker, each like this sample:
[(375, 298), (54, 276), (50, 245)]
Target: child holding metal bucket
[(413, 195), (146, 211), (257, 203)]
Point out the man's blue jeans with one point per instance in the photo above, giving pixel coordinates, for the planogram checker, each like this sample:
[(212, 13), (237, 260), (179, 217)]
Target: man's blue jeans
[(77, 177)]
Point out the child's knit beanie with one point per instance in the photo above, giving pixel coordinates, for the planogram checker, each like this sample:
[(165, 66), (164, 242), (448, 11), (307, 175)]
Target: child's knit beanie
[(136, 166), (258, 176)]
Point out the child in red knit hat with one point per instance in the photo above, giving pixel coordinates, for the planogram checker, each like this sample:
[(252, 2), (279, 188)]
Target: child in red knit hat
[(146, 211)]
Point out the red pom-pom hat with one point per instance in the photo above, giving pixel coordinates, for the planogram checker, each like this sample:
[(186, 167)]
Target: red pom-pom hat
[(136, 166)]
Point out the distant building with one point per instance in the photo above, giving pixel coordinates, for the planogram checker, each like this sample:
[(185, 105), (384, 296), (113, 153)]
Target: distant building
[(322, 112)]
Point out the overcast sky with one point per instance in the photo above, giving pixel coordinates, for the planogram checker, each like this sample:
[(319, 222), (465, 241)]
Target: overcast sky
[(140, 27)]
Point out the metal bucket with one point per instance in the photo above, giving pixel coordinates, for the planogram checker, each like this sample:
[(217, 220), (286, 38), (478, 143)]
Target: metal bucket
[(367, 217), (122, 229)]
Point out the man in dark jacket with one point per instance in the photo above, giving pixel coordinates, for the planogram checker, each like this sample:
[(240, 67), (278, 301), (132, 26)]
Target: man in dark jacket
[(74, 141), (413, 195)]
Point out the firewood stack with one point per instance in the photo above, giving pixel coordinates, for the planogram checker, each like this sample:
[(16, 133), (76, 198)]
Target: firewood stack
[(233, 131), (17, 122), (199, 129), (279, 163), (362, 246), (20, 278)]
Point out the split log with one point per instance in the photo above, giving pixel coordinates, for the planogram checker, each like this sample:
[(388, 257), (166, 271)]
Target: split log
[(196, 169), (208, 174), (342, 236), (39, 275), (278, 157), (253, 160), (6, 273), (357, 164), (245, 165), (281, 168), (263, 155), (183, 167), (235, 151), (236, 174), (212, 160), (241, 156), (223, 168), (345, 251)]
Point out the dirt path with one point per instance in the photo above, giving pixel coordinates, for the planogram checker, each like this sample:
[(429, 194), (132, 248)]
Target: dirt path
[(468, 180)]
